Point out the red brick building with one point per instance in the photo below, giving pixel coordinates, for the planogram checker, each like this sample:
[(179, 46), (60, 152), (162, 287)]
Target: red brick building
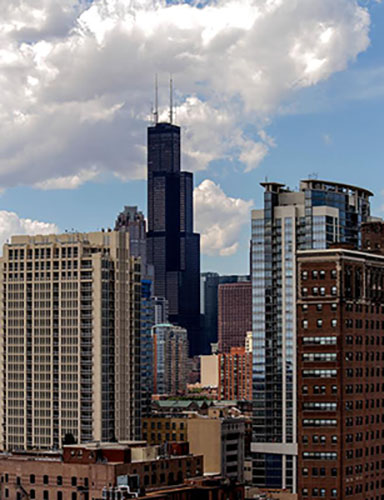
[(235, 375), (234, 314), (340, 375), (93, 471)]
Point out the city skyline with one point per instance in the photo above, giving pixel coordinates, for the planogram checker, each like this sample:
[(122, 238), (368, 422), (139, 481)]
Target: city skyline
[(326, 121)]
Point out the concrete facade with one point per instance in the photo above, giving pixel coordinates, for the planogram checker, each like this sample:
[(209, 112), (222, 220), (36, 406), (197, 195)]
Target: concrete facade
[(70, 340)]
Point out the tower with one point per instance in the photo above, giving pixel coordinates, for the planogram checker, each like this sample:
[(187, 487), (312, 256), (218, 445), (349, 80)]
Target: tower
[(172, 246), (314, 217)]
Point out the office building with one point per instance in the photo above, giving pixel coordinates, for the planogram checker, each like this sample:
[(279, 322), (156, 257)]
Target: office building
[(70, 340), (209, 284), (234, 314), (340, 369), (315, 216), (170, 359), (172, 246)]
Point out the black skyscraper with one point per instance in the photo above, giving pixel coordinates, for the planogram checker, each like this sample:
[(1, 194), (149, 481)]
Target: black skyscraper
[(173, 248)]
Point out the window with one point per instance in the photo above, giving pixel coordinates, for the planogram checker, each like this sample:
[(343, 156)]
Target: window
[(319, 307), (305, 323), (322, 492), (74, 494), (74, 481), (59, 480), (59, 495), (305, 471), (45, 480), (32, 478), (32, 494), (334, 323), (319, 323), (333, 273), (315, 290), (45, 495), (305, 492), (304, 275), (333, 492), (322, 290), (315, 275), (334, 290)]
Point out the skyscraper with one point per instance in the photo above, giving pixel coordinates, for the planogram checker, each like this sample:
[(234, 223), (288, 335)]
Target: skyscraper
[(340, 373), (70, 340), (317, 215), (172, 246), (234, 314), (209, 284), (170, 359)]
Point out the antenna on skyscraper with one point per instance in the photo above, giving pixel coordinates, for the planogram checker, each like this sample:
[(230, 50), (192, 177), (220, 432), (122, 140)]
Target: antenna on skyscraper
[(170, 99), (156, 110)]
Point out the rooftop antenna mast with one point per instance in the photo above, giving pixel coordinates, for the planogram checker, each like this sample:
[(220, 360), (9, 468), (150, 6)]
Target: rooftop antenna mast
[(156, 110), (170, 99)]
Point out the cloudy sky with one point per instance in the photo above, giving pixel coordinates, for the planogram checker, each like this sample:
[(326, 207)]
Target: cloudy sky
[(280, 89)]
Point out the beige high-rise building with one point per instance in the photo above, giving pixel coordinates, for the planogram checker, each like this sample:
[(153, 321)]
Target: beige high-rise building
[(69, 340)]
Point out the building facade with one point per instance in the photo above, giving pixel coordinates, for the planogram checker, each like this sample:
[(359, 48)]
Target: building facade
[(315, 216), (234, 314), (106, 470), (172, 246), (70, 340), (340, 373), (235, 375), (170, 359), (209, 284)]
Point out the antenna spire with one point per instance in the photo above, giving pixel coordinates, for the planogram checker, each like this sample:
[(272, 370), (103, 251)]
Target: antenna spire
[(170, 99), (156, 110)]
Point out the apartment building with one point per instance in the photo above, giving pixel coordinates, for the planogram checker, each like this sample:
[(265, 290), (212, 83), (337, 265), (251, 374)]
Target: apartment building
[(170, 359), (340, 370), (316, 215), (70, 340)]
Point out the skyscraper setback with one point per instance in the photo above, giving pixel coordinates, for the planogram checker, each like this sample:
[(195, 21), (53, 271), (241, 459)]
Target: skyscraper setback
[(172, 246)]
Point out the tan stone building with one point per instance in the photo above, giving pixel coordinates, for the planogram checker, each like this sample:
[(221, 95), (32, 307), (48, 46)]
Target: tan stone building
[(219, 440), (70, 340)]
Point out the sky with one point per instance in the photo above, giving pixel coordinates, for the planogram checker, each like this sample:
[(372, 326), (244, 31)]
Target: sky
[(276, 89)]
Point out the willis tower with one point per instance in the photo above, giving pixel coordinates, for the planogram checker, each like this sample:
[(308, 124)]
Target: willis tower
[(173, 248)]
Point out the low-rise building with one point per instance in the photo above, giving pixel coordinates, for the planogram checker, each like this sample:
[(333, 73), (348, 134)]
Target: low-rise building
[(93, 471), (220, 440)]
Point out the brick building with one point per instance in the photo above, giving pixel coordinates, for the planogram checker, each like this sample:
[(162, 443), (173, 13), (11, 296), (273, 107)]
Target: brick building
[(234, 314), (340, 373), (235, 375), (93, 471)]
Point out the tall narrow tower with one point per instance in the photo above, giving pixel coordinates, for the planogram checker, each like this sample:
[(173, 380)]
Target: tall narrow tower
[(172, 246)]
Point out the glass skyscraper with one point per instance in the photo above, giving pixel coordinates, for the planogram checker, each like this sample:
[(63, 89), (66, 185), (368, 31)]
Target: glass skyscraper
[(172, 246), (316, 216)]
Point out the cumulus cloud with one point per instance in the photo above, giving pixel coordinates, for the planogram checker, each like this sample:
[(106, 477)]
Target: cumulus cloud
[(219, 218), (76, 78), (11, 224)]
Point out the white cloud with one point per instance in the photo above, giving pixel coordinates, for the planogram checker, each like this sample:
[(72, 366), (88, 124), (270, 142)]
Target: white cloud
[(69, 182), (11, 224), (219, 218), (76, 77)]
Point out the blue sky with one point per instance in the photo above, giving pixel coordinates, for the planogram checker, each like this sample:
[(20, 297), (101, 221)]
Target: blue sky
[(333, 128)]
